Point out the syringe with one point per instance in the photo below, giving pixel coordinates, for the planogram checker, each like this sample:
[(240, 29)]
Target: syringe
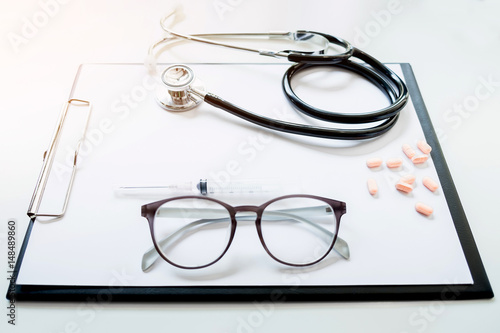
[(203, 186)]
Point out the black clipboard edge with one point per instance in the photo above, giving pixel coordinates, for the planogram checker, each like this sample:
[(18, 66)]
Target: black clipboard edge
[(480, 289), (14, 289), (105, 294), (471, 252)]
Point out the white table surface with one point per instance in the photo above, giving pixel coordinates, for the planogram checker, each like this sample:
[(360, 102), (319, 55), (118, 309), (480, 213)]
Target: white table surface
[(453, 47)]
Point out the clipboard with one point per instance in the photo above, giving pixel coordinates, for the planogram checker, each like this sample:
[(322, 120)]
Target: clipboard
[(126, 115)]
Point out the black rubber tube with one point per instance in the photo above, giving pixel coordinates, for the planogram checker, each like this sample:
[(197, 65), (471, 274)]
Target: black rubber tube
[(369, 68), (314, 131)]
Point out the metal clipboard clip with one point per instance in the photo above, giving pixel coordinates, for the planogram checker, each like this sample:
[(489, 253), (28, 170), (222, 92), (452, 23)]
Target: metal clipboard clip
[(48, 159)]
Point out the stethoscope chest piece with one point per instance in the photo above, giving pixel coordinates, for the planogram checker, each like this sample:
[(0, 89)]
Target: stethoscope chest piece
[(173, 93)]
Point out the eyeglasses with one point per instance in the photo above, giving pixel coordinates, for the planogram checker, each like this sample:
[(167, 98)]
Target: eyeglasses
[(195, 232)]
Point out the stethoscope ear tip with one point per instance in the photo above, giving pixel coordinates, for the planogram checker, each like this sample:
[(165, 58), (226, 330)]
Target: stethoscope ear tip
[(174, 15)]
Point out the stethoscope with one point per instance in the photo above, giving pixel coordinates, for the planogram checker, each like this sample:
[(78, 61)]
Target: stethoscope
[(181, 90)]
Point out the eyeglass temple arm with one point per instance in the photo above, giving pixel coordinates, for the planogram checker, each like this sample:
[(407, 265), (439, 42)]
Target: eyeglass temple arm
[(151, 255)]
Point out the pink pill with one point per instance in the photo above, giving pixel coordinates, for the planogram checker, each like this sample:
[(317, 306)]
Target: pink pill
[(419, 159), (430, 184), (394, 163), (408, 179), (424, 147), (423, 209), (372, 186), (408, 150), (374, 162), (404, 187)]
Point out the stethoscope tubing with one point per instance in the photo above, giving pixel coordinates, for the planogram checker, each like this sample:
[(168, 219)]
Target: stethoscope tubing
[(388, 82), (370, 68), (307, 130)]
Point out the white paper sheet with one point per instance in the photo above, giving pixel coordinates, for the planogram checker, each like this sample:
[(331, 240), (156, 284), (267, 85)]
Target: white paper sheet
[(131, 140)]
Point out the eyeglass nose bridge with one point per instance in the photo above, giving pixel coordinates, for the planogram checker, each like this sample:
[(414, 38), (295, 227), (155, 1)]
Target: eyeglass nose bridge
[(247, 213), (247, 208), (252, 214)]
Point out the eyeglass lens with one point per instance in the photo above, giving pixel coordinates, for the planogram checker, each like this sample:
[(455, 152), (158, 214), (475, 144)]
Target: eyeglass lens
[(298, 231), (192, 232)]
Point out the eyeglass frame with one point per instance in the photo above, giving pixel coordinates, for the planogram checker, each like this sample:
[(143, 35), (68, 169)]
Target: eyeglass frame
[(149, 211)]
